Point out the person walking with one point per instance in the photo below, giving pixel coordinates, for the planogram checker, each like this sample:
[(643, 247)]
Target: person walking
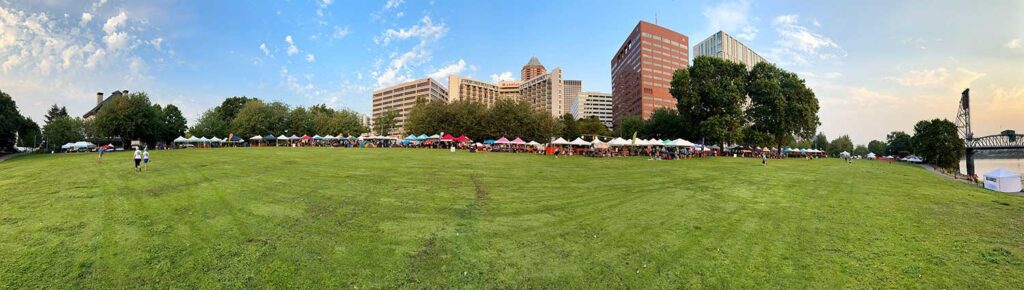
[(137, 156), (145, 159), (764, 160), (101, 150)]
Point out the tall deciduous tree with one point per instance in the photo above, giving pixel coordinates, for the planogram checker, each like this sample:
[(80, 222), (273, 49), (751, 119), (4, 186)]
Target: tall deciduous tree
[(570, 128), (258, 118), (174, 123), (781, 104), (877, 147), (664, 124), (62, 130), (591, 126), (898, 143), (10, 122), (820, 142), (129, 116), (710, 96), (938, 143), (29, 135), (384, 123), (861, 150), (210, 124), (839, 145), (630, 126), (300, 121)]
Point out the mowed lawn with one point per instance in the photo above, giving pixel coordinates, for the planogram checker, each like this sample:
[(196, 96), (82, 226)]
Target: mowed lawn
[(388, 218)]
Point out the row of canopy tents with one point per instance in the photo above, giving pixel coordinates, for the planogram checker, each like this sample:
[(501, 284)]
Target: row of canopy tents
[(194, 139)]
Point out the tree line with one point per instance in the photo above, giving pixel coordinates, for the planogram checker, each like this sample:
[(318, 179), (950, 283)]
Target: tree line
[(244, 116), (16, 129)]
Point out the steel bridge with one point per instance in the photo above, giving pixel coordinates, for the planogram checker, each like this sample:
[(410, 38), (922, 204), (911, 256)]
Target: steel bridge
[(1008, 139)]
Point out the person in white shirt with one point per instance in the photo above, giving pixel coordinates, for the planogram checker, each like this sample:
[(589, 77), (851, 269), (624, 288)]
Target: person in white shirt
[(137, 156), (145, 159)]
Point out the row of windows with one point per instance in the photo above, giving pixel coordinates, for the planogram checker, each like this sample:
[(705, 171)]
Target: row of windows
[(663, 39)]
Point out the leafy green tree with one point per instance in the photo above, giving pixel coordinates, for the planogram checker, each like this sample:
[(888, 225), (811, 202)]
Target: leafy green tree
[(55, 112), (898, 144), (751, 137), (781, 104), (591, 126), (425, 117), (62, 130), (259, 118), (209, 124), (938, 143), (877, 147), (300, 121), (710, 96), (664, 124), (10, 122), (861, 150), (839, 145), (820, 142), (129, 116), (512, 118), (231, 106), (327, 121), (29, 135), (570, 129), (384, 123), (174, 124), (631, 125)]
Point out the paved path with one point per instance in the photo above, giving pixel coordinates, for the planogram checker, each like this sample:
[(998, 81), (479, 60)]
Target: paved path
[(9, 156)]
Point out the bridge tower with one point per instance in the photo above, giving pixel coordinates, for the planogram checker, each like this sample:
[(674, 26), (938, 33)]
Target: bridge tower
[(963, 122)]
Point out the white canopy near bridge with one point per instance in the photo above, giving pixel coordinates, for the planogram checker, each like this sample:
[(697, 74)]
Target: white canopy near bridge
[(1003, 180)]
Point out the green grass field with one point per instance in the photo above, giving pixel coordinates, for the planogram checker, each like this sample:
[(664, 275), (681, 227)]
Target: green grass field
[(387, 218)]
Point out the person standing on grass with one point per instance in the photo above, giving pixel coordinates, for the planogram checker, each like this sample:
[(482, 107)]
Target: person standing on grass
[(145, 159), (101, 150), (764, 160), (137, 156)]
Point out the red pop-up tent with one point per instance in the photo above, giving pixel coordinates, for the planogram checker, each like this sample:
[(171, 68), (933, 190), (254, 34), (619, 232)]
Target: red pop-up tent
[(447, 137), (306, 137), (462, 139)]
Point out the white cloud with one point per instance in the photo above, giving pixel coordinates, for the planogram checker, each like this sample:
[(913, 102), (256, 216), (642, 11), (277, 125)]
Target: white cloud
[(1014, 43), (451, 69), (426, 30), (86, 17), (117, 40), (115, 22), (292, 49), (263, 48), (310, 57), (733, 18), (340, 32), (798, 45), (505, 76), (940, 78), (157, 43), (391, 4), (399, 68)]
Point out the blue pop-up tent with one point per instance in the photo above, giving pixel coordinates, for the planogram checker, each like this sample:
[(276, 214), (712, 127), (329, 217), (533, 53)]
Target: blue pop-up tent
[(421, 137), (489, 141)]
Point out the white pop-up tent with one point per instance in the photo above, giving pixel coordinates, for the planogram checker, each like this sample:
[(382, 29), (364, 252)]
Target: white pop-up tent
[(560, 141), (1003, 180)]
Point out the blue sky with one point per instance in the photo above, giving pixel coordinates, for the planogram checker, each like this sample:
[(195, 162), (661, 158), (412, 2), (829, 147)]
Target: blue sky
[(876, 66)]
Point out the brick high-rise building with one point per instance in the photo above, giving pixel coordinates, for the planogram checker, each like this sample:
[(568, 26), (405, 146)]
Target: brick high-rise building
[(532, 69), (642, 70)]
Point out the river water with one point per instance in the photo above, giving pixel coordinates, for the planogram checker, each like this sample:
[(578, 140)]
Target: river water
[(982, 166)]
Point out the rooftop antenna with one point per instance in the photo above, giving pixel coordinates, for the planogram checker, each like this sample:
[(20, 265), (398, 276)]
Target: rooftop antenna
[(655, 17)]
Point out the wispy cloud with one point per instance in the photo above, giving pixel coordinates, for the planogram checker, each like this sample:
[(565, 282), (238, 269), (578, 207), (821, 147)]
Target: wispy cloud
[(798, 45), (733, 18), (505, 76), (451, 69), (400, 66), (1013, 43)]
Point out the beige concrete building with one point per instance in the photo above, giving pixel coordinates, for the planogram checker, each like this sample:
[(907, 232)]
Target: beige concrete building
[(545, 92), (402, 97), (724, 46), (509, 89), (593, 104), (460, 88)]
